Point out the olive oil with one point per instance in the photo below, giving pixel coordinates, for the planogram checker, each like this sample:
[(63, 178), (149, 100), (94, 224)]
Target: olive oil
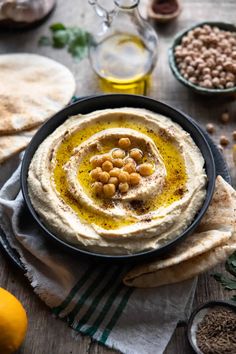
[(175, 167), (123, 63)]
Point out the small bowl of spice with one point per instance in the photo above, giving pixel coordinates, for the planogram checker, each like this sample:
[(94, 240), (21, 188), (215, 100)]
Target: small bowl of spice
[(212, 328), (163, 10), (203, 58)]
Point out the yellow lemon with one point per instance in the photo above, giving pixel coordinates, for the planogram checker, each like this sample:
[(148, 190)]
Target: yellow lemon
[(13, 322)]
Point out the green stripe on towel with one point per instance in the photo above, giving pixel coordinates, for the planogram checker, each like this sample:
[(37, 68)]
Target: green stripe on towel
[(74, 290), (116, 315)]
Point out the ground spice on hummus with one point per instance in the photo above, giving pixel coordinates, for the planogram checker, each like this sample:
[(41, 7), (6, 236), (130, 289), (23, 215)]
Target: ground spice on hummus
[(216, 334)]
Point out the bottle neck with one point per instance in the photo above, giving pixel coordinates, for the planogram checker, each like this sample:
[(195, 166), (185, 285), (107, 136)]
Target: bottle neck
[(126, 4)]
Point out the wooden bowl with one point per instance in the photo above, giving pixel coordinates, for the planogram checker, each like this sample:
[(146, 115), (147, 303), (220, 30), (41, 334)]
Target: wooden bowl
[(162, 18), (181, 79)]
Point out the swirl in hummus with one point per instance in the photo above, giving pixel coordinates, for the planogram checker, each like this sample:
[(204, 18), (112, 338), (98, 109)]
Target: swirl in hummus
[(117, 181)]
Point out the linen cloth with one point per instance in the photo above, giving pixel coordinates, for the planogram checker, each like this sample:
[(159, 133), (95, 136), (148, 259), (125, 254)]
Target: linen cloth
[(90, 296)]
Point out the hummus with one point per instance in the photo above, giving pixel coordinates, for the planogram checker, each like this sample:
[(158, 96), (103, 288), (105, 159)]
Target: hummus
[(151, 197)]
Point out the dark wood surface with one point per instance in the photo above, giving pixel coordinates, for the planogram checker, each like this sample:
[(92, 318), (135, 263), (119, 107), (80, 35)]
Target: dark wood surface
[(46, 334)]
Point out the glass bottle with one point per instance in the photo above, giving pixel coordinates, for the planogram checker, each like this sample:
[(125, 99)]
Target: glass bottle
[(124, 52)]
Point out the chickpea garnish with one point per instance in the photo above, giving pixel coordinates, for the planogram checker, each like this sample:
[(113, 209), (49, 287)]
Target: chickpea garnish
[(95, 173), (96, 161), (97, 187), (113, 180), (123, 187), (104, 177), (234, 134), (118, 153), (118, 162), (107, 166), (145, 169), (210, 128), (109, 190), (115, 172), (124, 177), (129, 167), (124, 143), (135, 178), (225, 117), (136, 154)]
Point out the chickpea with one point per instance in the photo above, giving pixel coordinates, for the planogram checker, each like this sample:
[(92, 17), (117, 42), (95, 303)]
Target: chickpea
[(145, 169), (96, 161), (118, 162), (95, 173), (129, 167), (224, 140), (123, 187), (234, 134), (230, 84), (206, 71), (124, 177), (225, 117), (109, 190), (104, 177), (124, 143), (118, 153), (210, 128), (130, 160), (135, 178), (115, 172), (215, 81), (97, 187), (113, 180), (107, 166), (136, 154)]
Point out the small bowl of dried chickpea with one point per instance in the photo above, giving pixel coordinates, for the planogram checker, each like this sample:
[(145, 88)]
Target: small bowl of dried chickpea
[(203, 58)]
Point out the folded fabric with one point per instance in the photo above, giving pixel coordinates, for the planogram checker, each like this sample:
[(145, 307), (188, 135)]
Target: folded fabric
[(91, 297), (213, 241)]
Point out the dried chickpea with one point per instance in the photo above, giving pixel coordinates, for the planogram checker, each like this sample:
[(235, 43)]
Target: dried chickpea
[(113, 180), (210, 128), (97, 188), (135, 178), (107, 166), (124, 143), (129, 167), (95, 173), (118, 162), (124, 177), (115, 172), (118, 154), (136, 154), (145, 169), (123, 187), (224, 140), (104, 177), (225, 117), (109, 190)]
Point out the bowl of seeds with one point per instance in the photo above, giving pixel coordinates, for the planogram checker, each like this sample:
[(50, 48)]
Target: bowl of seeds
[(212, 328), (203, 58)]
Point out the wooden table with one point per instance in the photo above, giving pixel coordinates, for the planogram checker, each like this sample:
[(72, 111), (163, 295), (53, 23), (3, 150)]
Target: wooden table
[(45, 334)]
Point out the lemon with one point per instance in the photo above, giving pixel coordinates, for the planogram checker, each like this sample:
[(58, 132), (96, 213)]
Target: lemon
[(13, 322)]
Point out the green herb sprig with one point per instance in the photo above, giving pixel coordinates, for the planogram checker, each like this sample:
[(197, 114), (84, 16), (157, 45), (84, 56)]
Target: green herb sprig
[(229, 283), (75, 39)]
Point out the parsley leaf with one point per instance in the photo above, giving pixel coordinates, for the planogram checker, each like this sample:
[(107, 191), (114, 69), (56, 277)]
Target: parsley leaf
[(231, 264), (75, 39), (228, 283)]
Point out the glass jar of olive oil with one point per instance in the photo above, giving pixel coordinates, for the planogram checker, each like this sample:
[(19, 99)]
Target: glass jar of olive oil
[(124, 52)]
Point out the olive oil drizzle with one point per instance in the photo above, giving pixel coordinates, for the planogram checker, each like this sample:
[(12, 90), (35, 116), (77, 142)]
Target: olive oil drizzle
[(173, 189)]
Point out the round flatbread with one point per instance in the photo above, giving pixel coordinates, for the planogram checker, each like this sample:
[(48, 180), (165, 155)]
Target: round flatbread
[(32, 88)]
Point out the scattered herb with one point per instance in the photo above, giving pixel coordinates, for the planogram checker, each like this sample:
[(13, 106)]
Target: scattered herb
[(75, 39), (229, 283)]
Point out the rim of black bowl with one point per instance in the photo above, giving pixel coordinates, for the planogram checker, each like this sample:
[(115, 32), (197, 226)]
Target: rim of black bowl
[(210, 304), (172, 63), (86, 105)]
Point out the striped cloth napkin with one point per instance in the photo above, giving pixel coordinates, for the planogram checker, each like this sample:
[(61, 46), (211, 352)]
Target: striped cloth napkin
[(90, 296)]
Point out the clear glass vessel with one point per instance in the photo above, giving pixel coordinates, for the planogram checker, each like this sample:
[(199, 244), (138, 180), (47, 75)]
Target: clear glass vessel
[(123, 53)]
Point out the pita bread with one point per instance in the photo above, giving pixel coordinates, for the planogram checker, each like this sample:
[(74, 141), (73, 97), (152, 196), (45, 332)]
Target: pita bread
[(213, 242), (32, 88), (12, 144)]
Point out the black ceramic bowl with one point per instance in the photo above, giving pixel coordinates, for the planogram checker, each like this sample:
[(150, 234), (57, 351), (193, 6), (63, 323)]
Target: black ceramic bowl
[(114, 101), (181, 79)]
